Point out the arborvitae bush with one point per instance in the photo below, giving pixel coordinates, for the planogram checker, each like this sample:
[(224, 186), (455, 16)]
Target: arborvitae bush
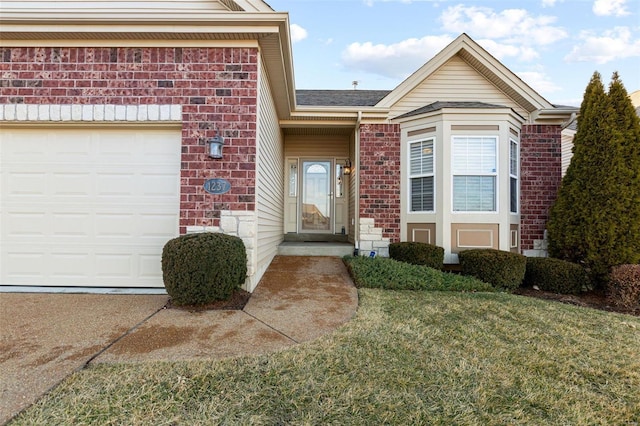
[(502, 269), (555, 275), (417, 254), (623, 287), (202, 268), (595, 220)]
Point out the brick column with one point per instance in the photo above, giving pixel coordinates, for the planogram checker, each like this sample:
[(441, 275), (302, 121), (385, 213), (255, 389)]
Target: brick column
[(540, 177), (379, 172)]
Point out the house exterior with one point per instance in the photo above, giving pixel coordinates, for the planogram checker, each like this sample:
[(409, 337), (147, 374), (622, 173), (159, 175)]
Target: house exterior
[(108, 108)]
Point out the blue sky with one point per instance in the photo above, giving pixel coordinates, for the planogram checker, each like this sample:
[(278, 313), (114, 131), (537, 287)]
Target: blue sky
[(553, 45)]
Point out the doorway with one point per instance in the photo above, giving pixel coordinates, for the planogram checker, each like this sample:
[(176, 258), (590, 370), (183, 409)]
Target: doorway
[(316, 197)]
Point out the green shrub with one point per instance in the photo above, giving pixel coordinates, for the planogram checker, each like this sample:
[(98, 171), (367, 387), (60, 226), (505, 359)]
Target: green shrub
[(202, 268), (502, 269), (389, 274), (623, 286), (555, 275), (417, 254)]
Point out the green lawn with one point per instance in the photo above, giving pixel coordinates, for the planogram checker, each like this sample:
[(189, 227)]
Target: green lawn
[(406, 358)]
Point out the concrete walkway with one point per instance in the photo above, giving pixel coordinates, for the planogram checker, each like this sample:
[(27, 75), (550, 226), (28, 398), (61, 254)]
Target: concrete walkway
[(46, 337)]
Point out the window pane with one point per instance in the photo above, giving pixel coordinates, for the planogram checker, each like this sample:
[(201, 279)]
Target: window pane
[(513, 159), (514, 195), (474, 193), (421, 157), (422, 194), (474, 155)]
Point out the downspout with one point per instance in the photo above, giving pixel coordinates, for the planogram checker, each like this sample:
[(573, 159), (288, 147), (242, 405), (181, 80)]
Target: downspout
[(356, 233)]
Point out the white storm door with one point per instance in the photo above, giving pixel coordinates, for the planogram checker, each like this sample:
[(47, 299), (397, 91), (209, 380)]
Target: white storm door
[(316, 197)]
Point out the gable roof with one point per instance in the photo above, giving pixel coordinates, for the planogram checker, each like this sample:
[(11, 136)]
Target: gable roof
[(340, 97), (483, 62)]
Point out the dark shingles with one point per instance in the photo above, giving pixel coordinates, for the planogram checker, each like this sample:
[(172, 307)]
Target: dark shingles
[(440, 105), (340, 97)]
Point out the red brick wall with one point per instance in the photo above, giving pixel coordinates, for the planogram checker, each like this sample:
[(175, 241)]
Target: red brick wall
[(379, 171), (215, 86), (541, 173)]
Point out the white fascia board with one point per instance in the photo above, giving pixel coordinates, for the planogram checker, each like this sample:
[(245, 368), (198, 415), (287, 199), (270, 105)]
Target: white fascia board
[(554, 115), (196, 17)]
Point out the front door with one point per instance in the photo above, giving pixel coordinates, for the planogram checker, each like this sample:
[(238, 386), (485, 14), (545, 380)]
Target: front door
[(316, 197)]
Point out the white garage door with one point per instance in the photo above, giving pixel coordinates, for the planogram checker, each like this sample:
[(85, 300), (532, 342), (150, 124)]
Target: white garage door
[(87, 207)]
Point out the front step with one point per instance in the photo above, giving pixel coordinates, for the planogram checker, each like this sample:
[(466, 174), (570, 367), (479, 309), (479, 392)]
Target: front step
[(301, 248), (334, 238)]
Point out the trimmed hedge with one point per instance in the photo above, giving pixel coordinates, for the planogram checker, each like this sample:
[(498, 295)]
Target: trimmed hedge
[(502, 269), (202, 268), (417, 254), (389, 274), (623, 287), (559, 276)]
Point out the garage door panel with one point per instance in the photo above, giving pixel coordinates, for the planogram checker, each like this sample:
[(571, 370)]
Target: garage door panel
[(114, 265), (76, 184), (87, 207), (20, 184), (155, 184)]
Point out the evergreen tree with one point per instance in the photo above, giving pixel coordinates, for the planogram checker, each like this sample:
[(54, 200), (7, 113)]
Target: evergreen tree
[(627, 124), (596, 217)]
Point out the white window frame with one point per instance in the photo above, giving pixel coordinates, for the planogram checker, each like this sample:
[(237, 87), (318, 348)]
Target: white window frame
[(516, 175), (421, 175), (494, 173)]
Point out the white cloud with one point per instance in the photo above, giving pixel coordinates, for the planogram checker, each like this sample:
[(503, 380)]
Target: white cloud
[(539, 81), (396, 60), (297, 33), (549, 3), (513, 26), (617, 43), (502, 50), (610, 8), (371, 2)]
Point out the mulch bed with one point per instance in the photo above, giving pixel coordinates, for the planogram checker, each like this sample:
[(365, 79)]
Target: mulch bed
[(595, 299), (236, 302)]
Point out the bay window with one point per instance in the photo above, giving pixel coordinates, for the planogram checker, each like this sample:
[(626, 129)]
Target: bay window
[(474, 168)]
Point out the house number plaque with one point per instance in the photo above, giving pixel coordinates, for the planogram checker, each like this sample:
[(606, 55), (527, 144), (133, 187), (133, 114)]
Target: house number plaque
[(217, 186)]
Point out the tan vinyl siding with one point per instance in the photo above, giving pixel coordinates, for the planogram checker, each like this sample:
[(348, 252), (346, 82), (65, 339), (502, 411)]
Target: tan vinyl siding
[(111, 5), (567, 146), (317, 146), (270, 178), (454, 81)]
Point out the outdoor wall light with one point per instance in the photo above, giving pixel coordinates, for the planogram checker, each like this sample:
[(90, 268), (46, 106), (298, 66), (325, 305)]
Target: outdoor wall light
[(215, 146), (347, 168)]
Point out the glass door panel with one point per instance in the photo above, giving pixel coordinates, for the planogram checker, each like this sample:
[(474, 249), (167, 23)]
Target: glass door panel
[(317, 197)]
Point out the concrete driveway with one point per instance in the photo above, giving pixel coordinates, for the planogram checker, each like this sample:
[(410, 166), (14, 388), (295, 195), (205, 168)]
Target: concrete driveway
[(45, 337)]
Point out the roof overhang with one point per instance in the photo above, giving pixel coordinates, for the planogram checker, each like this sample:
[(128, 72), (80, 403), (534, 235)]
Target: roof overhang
[(562, 116), (504, 111), (269, 30)]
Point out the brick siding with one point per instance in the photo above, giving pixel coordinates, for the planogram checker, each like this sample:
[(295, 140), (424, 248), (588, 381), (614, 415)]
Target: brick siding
[(217, 87), (541, 174), (379, 171)]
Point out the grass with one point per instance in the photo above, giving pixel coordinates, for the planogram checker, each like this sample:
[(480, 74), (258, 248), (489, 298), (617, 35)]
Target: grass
[(441, 358)]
